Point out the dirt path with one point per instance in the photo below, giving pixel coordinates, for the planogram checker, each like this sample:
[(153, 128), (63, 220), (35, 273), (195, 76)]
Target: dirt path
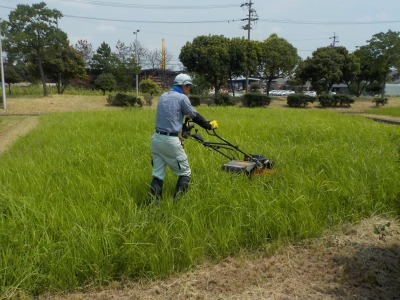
[(15, 128), (361, 262)]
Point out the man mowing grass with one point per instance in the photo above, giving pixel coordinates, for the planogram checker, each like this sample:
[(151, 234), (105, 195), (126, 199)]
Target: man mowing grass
[(166, 146)]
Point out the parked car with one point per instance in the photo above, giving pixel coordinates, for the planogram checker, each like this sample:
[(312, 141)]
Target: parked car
[(287, 93), (311, 93)]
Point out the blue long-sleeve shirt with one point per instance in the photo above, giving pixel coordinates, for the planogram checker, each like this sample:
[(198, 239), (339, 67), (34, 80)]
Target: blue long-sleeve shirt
[(171, 108)]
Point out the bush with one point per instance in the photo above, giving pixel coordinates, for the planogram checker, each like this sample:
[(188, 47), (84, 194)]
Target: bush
[(343, 100), (382, 101), (195, 100), (299, 100), (224, 100), (148, 99), (332, 101), (149, 86), (255, 100), (123, 100), (326, 100)]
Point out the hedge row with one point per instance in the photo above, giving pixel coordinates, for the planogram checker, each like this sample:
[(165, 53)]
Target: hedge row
[(248, 100), (300, 100)]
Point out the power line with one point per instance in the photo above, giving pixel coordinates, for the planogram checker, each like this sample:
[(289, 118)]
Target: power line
[(328, 22), (228, 21), (152, 22), (143, 6)]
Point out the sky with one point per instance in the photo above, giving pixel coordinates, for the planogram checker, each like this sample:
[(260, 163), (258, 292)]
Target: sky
[(306, 24)]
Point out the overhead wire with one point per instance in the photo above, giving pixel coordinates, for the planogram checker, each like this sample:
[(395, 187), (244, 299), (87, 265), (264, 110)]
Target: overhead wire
[(144, 6), (226, 21)]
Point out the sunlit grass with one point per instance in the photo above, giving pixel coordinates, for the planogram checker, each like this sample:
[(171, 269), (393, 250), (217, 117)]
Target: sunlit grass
[(389, 111), (75, 208)]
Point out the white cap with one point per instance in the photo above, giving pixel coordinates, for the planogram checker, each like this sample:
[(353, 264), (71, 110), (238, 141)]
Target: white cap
[(183, 79)]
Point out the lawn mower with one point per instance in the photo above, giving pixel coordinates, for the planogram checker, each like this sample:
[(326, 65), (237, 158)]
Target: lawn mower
[(251, 164)]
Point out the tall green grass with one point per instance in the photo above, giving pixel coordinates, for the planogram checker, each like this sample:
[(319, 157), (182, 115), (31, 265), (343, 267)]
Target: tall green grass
[(75, 209)]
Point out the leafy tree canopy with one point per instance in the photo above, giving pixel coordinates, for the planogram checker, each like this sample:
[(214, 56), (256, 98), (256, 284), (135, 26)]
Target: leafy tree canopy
[(32, 29), (278, 58), (208, 56)]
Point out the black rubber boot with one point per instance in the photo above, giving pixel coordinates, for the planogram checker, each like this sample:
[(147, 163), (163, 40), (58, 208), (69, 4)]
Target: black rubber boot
[(156, 189), (181, 186)]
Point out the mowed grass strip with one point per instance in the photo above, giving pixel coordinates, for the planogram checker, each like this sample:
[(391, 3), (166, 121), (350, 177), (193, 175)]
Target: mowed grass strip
[(75, 208), (388, 111)]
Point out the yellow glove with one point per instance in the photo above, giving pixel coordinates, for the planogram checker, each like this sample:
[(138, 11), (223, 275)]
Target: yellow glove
[(214, 124)]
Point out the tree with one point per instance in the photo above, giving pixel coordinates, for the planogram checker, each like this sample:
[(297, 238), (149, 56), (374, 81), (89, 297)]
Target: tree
[(125, 72), (154, 59), (243, 55), (279, 59), (359, 74), (385, 50), (103, 61), (208, 56), (63, 65), (85, 49), (11, 75), (324, 68), (32, 29), (123, 52), (105, 82)]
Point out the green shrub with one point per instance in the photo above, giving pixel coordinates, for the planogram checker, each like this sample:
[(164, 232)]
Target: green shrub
[(299, 100), (343, 100), (195, 100), (334, 100), (255, 100), (149, 86), (224, 100), (382, 101), (120, 99), (325, 100), (148, 99)]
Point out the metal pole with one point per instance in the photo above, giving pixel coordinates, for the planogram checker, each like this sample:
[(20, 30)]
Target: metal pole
[(248, 38), (137, 60), (3, 86)]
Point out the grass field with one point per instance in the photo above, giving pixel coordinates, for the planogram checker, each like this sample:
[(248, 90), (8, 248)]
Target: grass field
[(75, 209)]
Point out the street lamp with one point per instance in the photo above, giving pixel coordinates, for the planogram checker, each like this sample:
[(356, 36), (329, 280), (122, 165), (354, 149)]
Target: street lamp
[(137, 61), (3, 87)]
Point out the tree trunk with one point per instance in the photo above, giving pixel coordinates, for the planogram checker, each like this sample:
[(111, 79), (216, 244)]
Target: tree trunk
[(59, 90), (40, 65), (269, 81), (383, 88), (233, 91)]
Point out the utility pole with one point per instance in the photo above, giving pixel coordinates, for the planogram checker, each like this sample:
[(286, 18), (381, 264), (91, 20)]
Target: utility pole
[(334, 37), (3, 86), (137, 61), (163, 62), (251, 17)]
